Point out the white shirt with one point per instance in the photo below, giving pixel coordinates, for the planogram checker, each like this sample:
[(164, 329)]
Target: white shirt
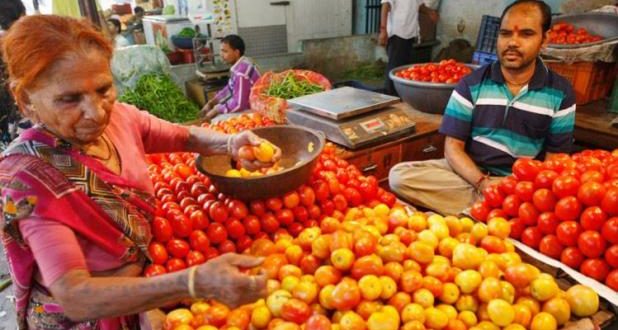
[(403, 18)]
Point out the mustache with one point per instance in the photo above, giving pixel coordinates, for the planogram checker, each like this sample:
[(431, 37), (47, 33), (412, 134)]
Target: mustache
[(511, 50)]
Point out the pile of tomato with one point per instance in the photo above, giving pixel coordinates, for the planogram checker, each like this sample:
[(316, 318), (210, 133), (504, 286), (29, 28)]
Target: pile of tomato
[(565, 207), (446, 71), (240, 123), (565, 33), (194, 222), (380, 268)]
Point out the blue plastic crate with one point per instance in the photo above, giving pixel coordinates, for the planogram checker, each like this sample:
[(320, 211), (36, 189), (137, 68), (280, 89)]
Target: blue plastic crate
[(483, 58), (488, 34)]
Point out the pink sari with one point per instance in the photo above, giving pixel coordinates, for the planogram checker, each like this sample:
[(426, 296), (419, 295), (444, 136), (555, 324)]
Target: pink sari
[(43, 178)]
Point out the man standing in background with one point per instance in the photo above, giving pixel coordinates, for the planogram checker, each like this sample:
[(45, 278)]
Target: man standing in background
[(399, 31)]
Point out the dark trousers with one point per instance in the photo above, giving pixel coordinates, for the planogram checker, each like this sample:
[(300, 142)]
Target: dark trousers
[(399, 53)]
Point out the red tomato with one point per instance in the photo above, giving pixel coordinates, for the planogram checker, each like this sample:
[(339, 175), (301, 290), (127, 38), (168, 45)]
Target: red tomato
[(524, 190), (295, 228), (507, 185), (218, 212), (235, 229), (158, 253), (321, 190), (216, 233), (592, 175), (565, 185), (199, 241), (572, 257), (291, 200), (595, 268), (285, 217), (162, 229), (479, 211), (315, 211), (526, 169), (517, 228), (368, 190), (274, 203), (609, 204), (307, 196), (257, 208), (227, 246), (199, 219), (185, 202), (610, 230), (195, 258), (550, 246), (341, 203), (545, 179), (269, 223), (178, 248), (568, 208), (593, 218), (591, 244), (352, 195), (548, 222), (318, 322), (611, 256), (510, 205), (591, 193), (175, 264), (568, 232), (496, 213), (154, 270), (300, 213), (492, 196), (612, 280), (528, 214), (544, 200), (531, 237), (252, 224), (238, 209), (182, 226), (388, 198)]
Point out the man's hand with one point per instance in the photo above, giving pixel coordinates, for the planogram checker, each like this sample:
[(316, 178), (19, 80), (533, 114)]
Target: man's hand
[(382, 38), (248, 138), (210, 115), (207, 108)]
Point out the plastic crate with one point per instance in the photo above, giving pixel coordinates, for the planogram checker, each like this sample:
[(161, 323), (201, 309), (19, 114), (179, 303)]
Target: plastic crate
[(483, 58), (488, 34), (591, 81)]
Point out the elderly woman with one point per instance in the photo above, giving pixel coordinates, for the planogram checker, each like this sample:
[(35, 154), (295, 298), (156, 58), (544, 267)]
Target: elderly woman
[(76, 196)]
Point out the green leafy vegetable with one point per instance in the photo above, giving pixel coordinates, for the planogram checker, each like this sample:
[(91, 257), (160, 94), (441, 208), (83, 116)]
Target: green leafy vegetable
[(290, 87), (159, 95), (187, 33)]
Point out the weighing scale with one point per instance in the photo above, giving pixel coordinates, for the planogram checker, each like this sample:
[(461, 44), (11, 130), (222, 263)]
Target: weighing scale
[(352, 117)]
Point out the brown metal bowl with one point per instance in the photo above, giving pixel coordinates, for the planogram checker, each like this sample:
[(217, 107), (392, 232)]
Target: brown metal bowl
[(300, 148)]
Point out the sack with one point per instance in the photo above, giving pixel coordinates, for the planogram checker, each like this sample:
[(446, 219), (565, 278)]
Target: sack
[(274, 107)]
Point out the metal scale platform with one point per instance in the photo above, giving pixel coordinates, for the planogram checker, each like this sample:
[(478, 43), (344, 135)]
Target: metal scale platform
[(351, 117)]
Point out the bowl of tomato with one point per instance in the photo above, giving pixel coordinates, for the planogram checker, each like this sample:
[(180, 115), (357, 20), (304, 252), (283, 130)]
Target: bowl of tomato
[(300, 148), (428, 86)]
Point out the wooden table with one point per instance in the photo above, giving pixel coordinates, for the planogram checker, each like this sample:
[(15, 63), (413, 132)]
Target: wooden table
[(593, 126), (425, 143)]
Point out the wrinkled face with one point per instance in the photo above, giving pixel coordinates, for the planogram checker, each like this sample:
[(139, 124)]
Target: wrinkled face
[(74, 97), (520, 37), (228, 54)]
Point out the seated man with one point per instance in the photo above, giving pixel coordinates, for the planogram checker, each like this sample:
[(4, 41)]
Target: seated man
[(513, 108), (243, 74)]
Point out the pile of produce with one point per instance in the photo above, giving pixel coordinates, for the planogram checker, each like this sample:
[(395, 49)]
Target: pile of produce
[(565, 207), (187, 33), (447, 71), (380, 268), (158, 94), (567, 34), (270, 92)]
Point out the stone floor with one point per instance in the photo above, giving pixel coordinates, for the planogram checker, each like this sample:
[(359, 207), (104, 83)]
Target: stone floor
[(7, 309)]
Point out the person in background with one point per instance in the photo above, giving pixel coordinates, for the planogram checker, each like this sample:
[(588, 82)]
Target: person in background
[(77, 201), (10, 11), (513, 108), (399, 31), (243, 74), (114, 28), (135, 22)]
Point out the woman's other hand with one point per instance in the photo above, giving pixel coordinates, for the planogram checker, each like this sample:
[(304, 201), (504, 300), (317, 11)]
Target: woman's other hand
[(222, 279), (248, 138)]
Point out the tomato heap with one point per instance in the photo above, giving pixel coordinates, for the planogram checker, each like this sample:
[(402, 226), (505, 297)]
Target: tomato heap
[(194, 222), (381, 269), (447, 71), (565, 33), (240, 123), (566, 207)]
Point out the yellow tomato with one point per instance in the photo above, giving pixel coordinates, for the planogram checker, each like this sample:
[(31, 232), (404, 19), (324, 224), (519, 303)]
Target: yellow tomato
[(260, 317), (559, 308), (413, 312), (264, 152), (543, 321), (500, 312), (583, 300)]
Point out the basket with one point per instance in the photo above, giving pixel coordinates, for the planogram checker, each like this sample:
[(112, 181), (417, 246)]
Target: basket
[(488, 34), (591, 81), (483, 58)]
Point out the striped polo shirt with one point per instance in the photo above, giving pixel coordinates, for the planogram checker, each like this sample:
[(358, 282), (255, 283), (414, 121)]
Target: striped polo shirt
[(498, 127)]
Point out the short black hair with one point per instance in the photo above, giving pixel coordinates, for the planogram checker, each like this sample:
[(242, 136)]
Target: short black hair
[(543, 7), (10, 11), (235, 42), (116, 24), (138, 10)]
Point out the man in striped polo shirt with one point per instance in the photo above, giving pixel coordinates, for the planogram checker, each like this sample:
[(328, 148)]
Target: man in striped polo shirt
[(514, 108)]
